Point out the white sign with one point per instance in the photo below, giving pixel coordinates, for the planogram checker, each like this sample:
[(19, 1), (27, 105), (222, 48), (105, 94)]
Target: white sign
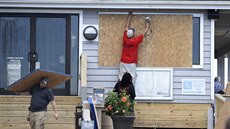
[(154, 84), (193, 86), (13, 71)]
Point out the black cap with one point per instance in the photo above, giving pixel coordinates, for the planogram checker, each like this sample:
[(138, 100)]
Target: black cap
[(45, 79)]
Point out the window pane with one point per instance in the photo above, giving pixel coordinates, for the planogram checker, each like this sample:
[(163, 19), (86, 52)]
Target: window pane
[(50, 44), (74, 54), (196, 41), (14, 47)]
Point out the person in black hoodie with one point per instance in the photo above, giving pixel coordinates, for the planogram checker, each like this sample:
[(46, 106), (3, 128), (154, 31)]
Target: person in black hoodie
[(127, 84)]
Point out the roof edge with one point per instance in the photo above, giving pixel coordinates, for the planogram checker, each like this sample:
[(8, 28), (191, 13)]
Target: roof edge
[(99, 4)]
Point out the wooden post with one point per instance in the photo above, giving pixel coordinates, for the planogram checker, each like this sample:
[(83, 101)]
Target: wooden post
[(83, 70), (83, 76)]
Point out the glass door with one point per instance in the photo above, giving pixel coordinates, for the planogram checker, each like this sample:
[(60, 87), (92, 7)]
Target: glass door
[(30, 41), (51, 47), (14, 48)]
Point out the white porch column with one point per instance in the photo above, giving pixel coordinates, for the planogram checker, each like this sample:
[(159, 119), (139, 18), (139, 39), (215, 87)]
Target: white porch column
[(221, 70)]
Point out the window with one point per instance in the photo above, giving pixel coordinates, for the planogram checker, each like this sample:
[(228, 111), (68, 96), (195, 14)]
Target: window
[(154, 84), (197, 46)]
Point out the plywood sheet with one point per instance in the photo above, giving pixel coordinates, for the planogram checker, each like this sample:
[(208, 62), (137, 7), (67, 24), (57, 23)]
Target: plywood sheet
[(169, 44), (224, 115), (34, 77)]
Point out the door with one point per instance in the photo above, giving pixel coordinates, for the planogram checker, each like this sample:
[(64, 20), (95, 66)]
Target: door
[(31, 41), (14, 47), (52, 47)]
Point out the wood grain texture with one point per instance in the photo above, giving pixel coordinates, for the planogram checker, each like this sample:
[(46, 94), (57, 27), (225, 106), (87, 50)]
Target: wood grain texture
[(171, 115), (223, 114), (28, 81), (14, 111), (169, 44)]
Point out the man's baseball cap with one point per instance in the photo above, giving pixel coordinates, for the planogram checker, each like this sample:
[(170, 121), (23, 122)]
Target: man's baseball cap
[(45, 80), (130, 32)]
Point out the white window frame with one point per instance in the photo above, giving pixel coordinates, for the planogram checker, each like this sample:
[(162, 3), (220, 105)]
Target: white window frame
[(201, 16), (170, 97)]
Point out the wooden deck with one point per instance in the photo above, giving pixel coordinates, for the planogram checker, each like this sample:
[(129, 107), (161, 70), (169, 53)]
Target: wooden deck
[(166, 115), (157, 115), (14, 111), (13, 114)]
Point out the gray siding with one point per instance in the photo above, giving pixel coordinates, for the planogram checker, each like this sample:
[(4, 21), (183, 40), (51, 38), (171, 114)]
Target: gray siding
[(107, 76)]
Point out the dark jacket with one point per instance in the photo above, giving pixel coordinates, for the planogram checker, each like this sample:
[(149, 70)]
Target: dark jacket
[(129, 89)]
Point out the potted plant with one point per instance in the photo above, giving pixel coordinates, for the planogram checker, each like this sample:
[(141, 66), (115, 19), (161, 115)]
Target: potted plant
[(120, 108)]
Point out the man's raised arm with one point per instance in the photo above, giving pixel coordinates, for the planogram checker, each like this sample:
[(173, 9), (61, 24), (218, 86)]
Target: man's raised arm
[(147, 26), (128, 21)]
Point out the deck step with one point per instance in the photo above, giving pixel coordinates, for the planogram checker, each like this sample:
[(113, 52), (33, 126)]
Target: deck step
[(14, 111)]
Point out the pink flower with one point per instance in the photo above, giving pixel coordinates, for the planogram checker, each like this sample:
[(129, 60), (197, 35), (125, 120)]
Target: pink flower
[(110, 107), (124, 99)]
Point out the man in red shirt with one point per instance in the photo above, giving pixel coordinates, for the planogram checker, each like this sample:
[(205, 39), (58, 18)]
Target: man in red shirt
[(130, 48)]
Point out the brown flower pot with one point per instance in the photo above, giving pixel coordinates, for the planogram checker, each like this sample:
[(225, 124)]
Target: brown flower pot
[(123, 121)]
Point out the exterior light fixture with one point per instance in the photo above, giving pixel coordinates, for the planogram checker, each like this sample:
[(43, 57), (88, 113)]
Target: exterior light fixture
[(90, 32)]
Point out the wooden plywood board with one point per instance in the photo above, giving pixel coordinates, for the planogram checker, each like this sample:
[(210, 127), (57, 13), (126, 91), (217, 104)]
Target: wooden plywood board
[(169, 44), (28, 81)]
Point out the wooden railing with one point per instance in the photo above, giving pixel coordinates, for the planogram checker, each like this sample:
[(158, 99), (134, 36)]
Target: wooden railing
[(222, 110)]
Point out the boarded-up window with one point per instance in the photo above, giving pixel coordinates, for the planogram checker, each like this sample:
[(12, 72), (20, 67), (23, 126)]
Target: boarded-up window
[(169, 44)]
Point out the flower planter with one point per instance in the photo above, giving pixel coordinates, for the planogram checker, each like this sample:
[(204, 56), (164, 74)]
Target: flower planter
[(123, 121)]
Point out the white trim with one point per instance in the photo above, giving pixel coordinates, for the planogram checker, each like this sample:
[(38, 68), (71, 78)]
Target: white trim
[(119, 4), (81, 28), (201, 40), (80, 49), (225, 72), (212, 58)]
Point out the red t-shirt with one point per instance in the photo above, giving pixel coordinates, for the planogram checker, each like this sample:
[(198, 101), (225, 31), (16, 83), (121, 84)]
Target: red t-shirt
[(130, 48)]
